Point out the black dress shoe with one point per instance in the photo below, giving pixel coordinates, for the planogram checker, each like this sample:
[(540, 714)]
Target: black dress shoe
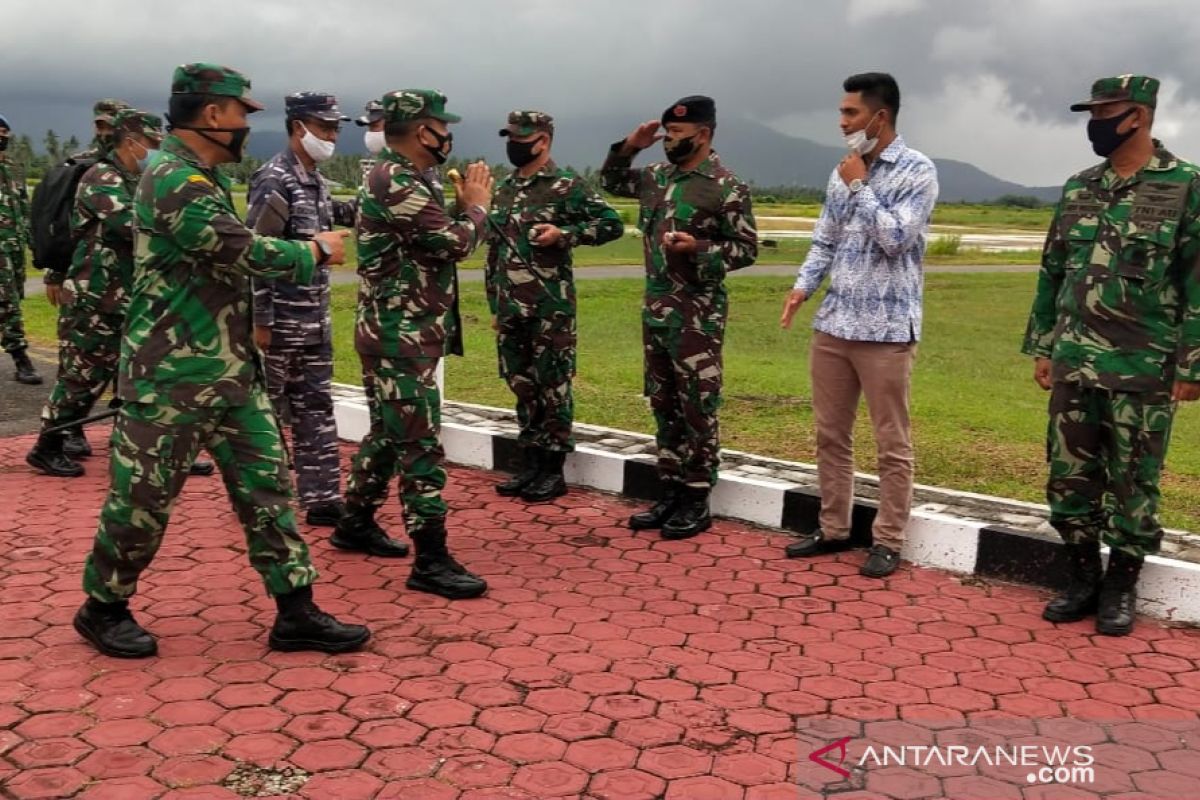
[(113, 631), (47, 455), (300, 625), (881, 562), (656, 515), (816, 543), (75, 444), (691, 515), (325, 515), (202, 467), (358, 532)]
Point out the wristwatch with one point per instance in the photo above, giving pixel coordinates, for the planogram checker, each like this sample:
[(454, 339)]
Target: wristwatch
[(856, 185), (325, 250)]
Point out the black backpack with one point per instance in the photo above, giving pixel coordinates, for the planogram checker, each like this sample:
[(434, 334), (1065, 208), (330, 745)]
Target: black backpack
[(50, 214)]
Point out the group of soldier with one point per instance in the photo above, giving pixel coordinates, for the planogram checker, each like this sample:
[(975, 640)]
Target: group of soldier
[(214, 331)]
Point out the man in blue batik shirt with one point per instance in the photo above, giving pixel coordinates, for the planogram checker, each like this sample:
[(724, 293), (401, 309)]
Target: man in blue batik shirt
[(869, 241)]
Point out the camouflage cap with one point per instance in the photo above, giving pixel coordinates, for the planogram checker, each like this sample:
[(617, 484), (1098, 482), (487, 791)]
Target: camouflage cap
[(206, 78), (408, 104), (1123, 88), (131, 120), (106, 108), (313, 105), (374, 110), (527, 123)]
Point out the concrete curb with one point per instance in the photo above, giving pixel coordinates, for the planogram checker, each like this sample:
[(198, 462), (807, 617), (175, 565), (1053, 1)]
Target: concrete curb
[(1169, 588)]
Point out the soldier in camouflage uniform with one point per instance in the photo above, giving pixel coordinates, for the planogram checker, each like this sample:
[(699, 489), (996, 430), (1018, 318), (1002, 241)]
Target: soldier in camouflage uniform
[(373, 138), (697, 225), (544, 211), (289, 198), (190, 376), (408, 253), (1115, 331), (14, 237), (96, 288)]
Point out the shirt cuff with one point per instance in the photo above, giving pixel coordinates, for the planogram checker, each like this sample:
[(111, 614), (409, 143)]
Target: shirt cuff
[(307, 268)]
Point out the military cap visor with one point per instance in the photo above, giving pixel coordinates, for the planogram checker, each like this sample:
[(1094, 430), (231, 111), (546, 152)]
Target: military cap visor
[(527, 123), (370, 118), (1139, 89)]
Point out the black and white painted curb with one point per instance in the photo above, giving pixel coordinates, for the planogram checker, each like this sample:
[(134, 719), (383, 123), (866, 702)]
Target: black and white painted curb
[(1169, 588)]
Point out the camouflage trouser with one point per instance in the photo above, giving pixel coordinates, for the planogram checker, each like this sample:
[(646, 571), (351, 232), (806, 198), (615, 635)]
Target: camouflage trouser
[(537, 360), (683, 382), (1106, 453), (153, 446), (89, 346), (299, 381), (406, 421), (12, 291)]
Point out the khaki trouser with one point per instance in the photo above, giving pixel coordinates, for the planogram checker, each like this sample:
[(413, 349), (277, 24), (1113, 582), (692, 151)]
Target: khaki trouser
[(843, 370)]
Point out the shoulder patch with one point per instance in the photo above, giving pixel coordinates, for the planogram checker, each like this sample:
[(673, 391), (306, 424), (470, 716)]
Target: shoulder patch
[(199, 179)]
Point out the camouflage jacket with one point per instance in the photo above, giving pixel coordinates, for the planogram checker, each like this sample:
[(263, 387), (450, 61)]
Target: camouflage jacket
[(1118, 296), (101, 271), (550, 195), (289, 201), (408, 253), (14, 210), (711, 204), (188, 328)]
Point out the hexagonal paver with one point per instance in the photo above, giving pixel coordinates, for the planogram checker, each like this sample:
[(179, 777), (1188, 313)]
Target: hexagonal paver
[(189, 740), (550, 779), (441, 713), (475, 771), (627, 784), (529, 748), (329, 755), (599, 755), (675, 761), (252, 719)]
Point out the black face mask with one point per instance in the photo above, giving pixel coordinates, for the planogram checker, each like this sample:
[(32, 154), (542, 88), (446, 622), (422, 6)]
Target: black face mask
[(1103, 133), (521, 153), (3, 143), (678, 150), (236, 146), (441, 152)]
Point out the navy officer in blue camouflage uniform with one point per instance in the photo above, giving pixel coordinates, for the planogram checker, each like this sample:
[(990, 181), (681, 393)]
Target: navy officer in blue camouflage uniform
[(290, 198)]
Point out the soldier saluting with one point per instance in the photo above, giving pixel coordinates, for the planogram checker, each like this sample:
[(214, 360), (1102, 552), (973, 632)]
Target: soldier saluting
[(697, 226), (1115, 331)]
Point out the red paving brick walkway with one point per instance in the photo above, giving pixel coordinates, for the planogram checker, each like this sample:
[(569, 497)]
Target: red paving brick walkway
[(601, 664)]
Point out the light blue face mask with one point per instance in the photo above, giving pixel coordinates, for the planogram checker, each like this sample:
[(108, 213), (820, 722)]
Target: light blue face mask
[(144, 161)]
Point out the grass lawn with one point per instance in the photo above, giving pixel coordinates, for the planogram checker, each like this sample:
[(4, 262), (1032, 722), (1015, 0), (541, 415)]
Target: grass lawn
[(979, 421)]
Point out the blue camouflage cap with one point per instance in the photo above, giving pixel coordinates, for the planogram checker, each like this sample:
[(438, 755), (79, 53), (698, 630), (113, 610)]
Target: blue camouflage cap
[(313, 105)]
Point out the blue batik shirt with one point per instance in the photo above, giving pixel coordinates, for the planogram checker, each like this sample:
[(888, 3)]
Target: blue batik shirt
[(871, 244)]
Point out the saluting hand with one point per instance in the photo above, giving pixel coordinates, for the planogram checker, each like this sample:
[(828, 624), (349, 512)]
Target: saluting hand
[(643, 136)]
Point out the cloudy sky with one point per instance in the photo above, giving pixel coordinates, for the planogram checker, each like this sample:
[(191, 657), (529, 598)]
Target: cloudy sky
[(984, 81)]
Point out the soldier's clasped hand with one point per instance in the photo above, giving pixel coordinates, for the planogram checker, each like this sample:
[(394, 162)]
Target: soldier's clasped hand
[(476, 187), (337, 245)]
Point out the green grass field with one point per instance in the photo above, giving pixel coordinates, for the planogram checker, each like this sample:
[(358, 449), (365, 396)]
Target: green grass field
[(979, 421)]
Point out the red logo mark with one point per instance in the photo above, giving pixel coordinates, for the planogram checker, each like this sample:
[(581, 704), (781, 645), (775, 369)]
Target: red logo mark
[(679, 111), (840, 746)]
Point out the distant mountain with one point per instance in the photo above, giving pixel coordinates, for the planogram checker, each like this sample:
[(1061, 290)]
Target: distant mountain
[(759, 154)]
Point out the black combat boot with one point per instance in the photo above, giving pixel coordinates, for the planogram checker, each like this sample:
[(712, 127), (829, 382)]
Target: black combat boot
[(531, 458), (435, 570), (1082, 594), (113, 630), (300, 625), (660, 512), (549, 482), (691, 515), (202, 466), (25, 372), (47, 455), (326, 515), (75, 444), (358, 531), (1118, 594)]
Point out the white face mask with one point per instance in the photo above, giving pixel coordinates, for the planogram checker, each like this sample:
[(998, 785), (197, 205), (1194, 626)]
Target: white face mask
[(318, 149), (374, 141), (858, 141)]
